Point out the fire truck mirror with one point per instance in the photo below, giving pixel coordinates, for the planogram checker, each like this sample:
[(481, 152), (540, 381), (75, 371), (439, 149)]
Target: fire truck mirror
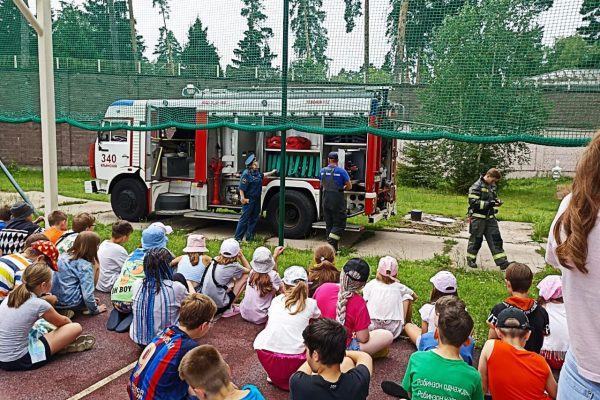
[(103, 136)]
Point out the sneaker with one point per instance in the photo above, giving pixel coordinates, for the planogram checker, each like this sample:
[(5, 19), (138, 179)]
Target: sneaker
[(394, 389), (82, 343), (471, 263), (67, 313), (232, 312)]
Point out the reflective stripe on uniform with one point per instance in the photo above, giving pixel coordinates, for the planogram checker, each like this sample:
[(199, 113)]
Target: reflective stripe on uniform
[(499, 255), (334, 236), (477, 215), (473, 256), (484, 189), (481, 204), (473, 196)]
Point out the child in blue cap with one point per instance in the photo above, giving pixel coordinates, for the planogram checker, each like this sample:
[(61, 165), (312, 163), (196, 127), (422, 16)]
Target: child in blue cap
[(250, 193)]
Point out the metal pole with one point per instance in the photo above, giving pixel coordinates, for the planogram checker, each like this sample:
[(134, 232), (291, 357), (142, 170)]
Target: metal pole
[(47, 107), (284, 77), (15, 184)]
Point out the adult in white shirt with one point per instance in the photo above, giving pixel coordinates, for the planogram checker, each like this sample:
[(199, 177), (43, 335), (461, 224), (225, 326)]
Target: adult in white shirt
[(280, 346), (574, 247)]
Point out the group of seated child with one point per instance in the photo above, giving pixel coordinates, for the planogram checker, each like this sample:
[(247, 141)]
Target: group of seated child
[(323, 325)]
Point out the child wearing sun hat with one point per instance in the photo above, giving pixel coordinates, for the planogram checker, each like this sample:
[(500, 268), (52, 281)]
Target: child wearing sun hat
[(280, 346), (263, 285), (193, 263)]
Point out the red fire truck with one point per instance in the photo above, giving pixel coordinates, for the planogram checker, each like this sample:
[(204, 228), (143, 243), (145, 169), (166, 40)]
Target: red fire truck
[(195, 173)]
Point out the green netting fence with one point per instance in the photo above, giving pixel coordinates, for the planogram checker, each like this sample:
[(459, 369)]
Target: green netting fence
[(475, 71)]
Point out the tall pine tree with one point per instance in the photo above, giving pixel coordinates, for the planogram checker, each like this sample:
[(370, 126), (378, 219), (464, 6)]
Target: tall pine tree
[(307, 23), (73, 35), (590, 9), (198, 50), (253, 50), (105, 16), (168, 48)]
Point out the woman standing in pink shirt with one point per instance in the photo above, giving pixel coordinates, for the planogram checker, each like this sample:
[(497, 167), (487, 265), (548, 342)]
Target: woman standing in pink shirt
[(574, 247)]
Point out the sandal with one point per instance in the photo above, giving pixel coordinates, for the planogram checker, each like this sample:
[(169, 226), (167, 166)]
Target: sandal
[(232, 312), (82, 343)]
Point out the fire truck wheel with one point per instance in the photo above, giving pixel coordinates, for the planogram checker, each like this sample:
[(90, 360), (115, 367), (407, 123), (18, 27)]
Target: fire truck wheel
[(128, 199), (299, 214)]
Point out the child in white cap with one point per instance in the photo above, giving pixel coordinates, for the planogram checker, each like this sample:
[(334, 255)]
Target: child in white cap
[(280, 346), (225, 278), (193, 263), (389, 302), (444, 284), (263, 285)]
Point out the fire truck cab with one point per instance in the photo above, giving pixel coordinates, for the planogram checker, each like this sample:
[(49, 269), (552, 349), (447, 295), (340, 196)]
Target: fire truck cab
[(196, 172)]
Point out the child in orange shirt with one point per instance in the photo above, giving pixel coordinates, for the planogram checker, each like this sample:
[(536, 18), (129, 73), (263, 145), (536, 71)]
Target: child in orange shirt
[(508, 370), (58, 222)]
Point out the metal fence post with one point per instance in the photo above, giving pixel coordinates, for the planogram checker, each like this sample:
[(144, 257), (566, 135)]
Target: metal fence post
[(284, 84), (15, 61), (99, 66)]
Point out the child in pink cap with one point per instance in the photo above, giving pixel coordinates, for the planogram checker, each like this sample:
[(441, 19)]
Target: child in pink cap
[(556, 344), (444, 284), (389, 302)]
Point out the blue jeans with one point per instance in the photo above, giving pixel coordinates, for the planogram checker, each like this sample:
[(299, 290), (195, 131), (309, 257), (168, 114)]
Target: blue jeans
[(573, 386), (248, 220)]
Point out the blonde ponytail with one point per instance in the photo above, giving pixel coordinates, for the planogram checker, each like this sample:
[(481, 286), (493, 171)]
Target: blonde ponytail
[(295, 297), (33, 276)]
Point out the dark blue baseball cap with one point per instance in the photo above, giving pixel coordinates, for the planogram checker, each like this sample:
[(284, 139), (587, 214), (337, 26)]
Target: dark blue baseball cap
[(251, 158), (333, 156)]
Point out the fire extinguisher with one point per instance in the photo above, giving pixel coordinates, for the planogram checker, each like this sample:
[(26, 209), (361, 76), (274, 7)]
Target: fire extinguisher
[(216, 166)]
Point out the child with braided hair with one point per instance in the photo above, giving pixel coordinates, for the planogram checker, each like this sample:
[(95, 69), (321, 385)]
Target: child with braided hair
[(156, 298), (343, 303)]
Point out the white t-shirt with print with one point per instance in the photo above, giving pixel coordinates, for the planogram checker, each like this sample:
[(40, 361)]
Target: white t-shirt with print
[(384, 301), (283, 333)]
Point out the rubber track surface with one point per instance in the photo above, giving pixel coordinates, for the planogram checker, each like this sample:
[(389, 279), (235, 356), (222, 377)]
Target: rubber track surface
[(70, 374)]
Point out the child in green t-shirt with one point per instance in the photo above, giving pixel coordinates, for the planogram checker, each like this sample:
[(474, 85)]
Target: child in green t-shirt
[(441, 373)]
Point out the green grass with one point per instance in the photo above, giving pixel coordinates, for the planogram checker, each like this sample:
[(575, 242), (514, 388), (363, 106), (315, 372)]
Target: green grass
[(525, 200), (530, 200), (481, 290), (70, 182)]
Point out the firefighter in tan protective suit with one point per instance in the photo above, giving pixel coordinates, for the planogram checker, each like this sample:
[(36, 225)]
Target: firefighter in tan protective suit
[(483, 206)]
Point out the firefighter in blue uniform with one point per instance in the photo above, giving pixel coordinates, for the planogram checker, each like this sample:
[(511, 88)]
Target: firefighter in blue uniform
[(483, 206), (250, 192), (333, 182)]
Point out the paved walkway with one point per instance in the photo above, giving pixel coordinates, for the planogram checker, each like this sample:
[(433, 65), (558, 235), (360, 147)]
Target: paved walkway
[(402, 243)]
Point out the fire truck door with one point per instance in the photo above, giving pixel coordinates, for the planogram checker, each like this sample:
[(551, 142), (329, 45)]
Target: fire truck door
[(112, 150)]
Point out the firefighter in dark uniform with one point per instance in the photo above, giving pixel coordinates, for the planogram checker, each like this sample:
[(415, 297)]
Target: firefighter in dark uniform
[(483, 206), (250, 193), (333, 182)]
